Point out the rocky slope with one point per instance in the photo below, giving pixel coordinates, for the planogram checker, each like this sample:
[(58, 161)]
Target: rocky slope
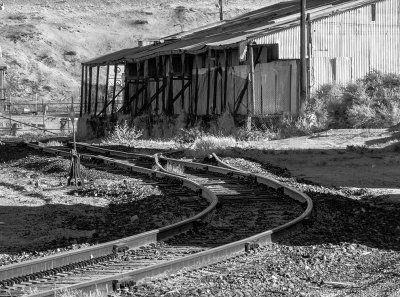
[(44, 42)]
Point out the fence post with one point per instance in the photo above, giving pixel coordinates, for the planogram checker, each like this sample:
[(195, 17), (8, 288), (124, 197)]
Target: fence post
[(43, 112), (9, 113)]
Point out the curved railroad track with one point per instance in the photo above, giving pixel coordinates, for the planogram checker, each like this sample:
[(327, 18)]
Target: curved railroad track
[(245, 210)]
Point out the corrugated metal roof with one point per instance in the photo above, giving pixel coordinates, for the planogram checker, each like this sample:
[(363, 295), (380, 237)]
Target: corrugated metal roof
[(231, 32)]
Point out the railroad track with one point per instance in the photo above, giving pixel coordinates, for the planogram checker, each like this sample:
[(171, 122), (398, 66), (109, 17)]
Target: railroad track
[(245, 211)]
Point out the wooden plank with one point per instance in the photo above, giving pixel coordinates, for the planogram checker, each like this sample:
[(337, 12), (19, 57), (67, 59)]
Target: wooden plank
[(183, 82), (137, 88), (157, 85), (97, 90), (114, 88), (86, 87), (208, 80), (196, 91), (181, 91), (225, 82), (154, 97), (82, 88), (90, 90), (241, 95), (106, 93), (163, 97), (112, 100)]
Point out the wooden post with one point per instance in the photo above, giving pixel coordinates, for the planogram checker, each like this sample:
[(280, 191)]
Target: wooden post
[(43, 115), (82, 88), (114, 89), (165, 83), (183, 82), (208, 80), (225, 81), (252, 93), (146, 80), (215, 84), (170, 82), (196, 91), (97, 90), (106, 91), (126, 92), (157, 84), (137, 87), (303, 57), (90, 90), (86, 87)]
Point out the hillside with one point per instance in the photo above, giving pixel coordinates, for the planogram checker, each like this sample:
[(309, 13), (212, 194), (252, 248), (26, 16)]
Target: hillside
[(44, 42)]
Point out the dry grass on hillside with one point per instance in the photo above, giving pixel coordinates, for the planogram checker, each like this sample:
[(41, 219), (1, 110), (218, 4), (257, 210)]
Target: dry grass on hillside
[(44, 43)]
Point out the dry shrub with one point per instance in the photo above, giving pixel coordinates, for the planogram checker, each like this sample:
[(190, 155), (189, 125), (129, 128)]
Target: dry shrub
[(123, 134), (371, 102), (175, 168), (208, 144)]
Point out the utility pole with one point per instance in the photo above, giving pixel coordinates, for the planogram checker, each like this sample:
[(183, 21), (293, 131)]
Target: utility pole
[(303, 57), (221, 13)]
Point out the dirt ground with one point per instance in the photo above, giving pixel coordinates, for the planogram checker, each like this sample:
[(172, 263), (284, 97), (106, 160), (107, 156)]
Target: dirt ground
[(367, 159)]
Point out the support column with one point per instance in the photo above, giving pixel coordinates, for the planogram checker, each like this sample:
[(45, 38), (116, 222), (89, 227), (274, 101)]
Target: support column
[(89, 109), (82, 88), (208, 80), (97, 90), (114, 89), (106, 92), (183, 82), (86, 88), (252, 110)]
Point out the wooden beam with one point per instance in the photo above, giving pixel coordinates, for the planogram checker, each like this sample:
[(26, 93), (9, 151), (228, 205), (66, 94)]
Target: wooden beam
[(126, 107), (137, 87), (252, 89), (163, 97), (145, 107), (157, 85), (181, 91), (225, 81), (170, 85), (90, 90), (241, 96), (183, 81), (106, 91), (135, 96), (114, 88), (196, 91), (111, 101), (97, 90), (82, 88), (208, 80), (86, 87)]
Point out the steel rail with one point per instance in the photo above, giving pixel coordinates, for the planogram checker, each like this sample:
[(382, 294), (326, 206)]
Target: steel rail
[(70, 257), (206, 257)]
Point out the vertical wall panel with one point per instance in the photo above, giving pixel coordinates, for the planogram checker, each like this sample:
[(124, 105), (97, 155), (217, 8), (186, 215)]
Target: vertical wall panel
[(347, 45)]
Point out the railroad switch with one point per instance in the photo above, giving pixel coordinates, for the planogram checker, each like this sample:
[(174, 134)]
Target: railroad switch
[(75, 177)]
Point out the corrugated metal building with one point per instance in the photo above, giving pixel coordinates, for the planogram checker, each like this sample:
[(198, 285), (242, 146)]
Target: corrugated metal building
[(206, 71)]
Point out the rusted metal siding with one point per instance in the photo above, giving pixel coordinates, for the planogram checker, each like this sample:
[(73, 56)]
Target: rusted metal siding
[(348, 45)]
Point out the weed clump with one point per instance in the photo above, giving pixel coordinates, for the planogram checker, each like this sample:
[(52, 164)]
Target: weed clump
[(123, 134)]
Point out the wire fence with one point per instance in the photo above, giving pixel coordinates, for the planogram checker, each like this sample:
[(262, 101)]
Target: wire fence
[(37, 117)]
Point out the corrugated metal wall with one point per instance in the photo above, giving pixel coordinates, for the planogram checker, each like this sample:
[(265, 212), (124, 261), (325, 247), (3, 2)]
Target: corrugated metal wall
[(348, 45)]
